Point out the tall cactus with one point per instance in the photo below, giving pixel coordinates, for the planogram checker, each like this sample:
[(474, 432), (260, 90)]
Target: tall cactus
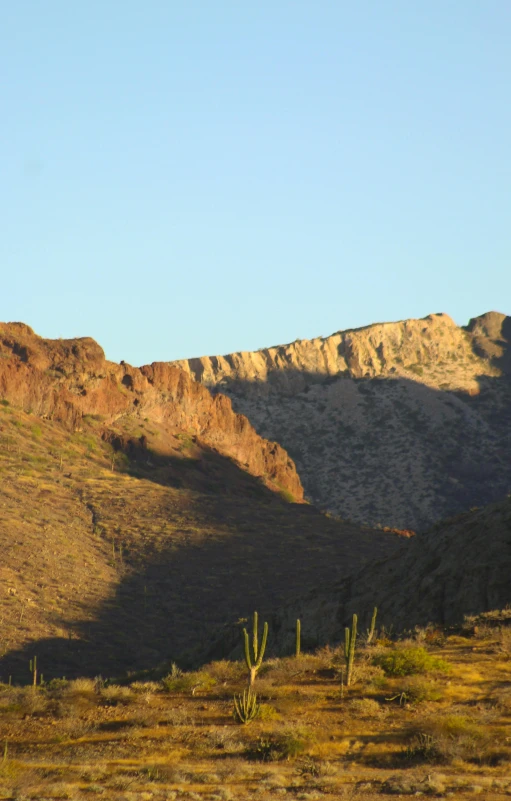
[(298, 646), (254, 660), (350, 639)]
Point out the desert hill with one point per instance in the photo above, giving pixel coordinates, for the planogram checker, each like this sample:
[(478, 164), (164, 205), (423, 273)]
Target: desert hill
[(458, 569), (399, 424), (138, 513)]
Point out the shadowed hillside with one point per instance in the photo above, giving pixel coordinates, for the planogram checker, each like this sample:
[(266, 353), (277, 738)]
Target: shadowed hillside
[(398, 424), (460, 567)]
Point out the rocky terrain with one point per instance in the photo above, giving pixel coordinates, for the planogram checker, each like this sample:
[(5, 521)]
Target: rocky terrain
[(395, 424), (138, 513)]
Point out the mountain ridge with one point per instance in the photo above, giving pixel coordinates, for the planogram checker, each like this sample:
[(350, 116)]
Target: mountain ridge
[(394, 424), (64, 380)]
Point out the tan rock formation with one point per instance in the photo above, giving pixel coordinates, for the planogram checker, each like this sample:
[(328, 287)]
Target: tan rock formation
[(395, 423)]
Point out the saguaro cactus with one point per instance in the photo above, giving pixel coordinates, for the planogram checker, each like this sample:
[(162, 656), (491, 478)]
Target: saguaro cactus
[(33, 670), (298, 638), (255, 660), (350, 639)]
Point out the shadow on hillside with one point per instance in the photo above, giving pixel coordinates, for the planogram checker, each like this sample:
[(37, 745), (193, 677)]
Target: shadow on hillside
[(244, 548), (388, 450)]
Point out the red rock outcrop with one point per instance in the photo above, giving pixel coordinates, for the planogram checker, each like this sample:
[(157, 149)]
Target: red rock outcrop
[(66, 379)]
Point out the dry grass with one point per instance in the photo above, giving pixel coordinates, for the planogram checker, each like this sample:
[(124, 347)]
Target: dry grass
[(155, 740)]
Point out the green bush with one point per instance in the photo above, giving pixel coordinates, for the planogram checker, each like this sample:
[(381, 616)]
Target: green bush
[(188, 682), (409, 661)]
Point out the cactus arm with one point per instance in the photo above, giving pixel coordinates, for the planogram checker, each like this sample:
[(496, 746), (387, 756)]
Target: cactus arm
[(263, 646), (346, 643), (247, 649), (237, 708), (370, 633), (255, 635)]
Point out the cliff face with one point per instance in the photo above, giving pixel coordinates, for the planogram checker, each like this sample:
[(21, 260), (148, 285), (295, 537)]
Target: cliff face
[(63, 380), (396, 423)]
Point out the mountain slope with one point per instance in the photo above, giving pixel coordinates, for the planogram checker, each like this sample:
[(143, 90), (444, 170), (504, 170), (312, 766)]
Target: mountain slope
[(138, 513), (461, 567), (398, 424)]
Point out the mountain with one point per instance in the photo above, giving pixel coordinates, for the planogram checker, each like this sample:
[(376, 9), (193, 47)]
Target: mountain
[(138, 513), (394, 424)]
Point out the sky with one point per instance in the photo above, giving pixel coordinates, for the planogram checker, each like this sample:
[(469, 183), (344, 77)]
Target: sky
[(188, 178)]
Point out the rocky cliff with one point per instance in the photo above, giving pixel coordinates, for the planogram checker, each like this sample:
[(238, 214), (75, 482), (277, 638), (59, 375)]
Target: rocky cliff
[(64, 380), (396, 424)]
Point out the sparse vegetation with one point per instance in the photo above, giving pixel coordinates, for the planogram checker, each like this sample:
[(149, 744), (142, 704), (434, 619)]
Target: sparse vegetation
[(178, 735)]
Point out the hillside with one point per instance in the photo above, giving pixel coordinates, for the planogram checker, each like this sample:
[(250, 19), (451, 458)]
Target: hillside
[(398, 424), (460, 567), (137, 513)]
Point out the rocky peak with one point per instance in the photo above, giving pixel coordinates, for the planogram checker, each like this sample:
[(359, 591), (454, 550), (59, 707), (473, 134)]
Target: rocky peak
[(67, 379)]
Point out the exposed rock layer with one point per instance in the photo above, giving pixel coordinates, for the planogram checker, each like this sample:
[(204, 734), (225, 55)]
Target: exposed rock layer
[(64, 380), (397, 424)]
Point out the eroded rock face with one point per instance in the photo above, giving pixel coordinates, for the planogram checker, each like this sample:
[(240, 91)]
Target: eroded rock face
[(66, 379), (398, 424)]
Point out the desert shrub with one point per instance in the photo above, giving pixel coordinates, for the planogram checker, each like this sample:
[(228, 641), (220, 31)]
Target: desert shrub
[(314, 768), (74, 728), (277, 746), (268, 712), (27, 702), (418, 689), (447, 738), (87, 688), (224, 671), (409, 661), (57, 686), (366, 708), (115, 695), (188, 682), (145, 690)]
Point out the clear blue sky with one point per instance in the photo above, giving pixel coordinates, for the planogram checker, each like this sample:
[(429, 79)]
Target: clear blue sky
[(183, 178)]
